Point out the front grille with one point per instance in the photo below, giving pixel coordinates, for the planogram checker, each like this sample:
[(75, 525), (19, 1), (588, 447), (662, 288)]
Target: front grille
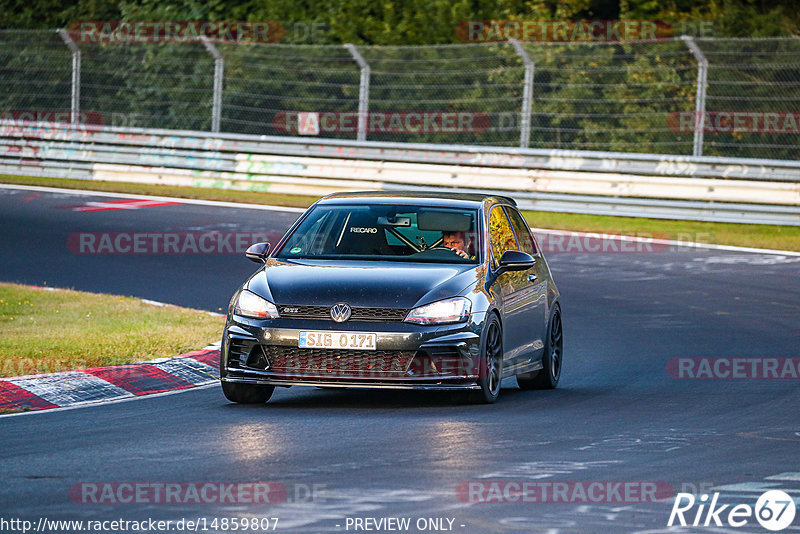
[(341, 363), (336, 363), (358, 313)]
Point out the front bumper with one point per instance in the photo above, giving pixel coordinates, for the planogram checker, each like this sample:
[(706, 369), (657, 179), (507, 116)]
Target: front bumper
[(407, 356)]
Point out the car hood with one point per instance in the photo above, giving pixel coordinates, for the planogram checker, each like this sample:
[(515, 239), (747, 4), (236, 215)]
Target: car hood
[(368, 284)]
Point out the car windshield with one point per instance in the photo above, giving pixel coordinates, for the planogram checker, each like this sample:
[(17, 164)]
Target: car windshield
[(385, 233)]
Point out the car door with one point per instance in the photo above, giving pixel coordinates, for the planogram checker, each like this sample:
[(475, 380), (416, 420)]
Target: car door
[(536, 291), (515, 292)]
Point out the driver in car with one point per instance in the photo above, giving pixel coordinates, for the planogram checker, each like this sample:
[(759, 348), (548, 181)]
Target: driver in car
[(458, 242)]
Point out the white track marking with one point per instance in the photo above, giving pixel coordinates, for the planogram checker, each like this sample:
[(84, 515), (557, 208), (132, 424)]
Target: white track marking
[(682, 244), (265, 207), (82, 192)]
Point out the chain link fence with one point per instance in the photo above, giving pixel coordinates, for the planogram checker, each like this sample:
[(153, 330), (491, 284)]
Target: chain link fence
[(707, 96), (760, 77)]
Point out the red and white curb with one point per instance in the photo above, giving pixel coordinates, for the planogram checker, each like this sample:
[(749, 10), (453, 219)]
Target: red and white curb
[(124, 204), (103, 384)]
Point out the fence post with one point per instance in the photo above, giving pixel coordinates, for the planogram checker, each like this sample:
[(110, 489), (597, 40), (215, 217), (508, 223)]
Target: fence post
[(700, 98), (75, 104), (527, 95), (363, 92), (219, 71)]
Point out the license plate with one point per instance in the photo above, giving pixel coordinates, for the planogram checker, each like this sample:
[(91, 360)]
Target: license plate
[(324, 339)]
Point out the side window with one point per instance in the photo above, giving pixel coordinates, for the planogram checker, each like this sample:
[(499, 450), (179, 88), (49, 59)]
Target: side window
[(501, 234), (521, 229)]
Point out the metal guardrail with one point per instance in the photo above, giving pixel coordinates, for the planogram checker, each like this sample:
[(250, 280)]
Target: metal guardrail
[(660, 186)]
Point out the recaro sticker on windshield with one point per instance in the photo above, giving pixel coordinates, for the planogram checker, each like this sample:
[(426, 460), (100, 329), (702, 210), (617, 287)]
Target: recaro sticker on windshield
[(363, 230)]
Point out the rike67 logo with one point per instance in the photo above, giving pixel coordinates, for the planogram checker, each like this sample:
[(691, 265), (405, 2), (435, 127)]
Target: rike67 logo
[(774, 510)]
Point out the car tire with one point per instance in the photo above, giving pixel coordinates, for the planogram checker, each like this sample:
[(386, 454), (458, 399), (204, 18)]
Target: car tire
[(491, 363), (550, 374), (247, 393)]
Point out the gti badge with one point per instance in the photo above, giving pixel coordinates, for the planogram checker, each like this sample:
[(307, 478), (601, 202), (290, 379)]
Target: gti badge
[(340, 312)]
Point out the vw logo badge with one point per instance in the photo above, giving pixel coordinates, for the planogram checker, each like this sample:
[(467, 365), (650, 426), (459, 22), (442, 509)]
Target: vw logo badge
[(341, 312)]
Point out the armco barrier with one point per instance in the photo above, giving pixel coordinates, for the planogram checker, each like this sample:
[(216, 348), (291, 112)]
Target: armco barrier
[(703, 188)]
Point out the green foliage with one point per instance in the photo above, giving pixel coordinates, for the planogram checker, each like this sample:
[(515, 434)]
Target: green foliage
[(410, 22), (93, 330)]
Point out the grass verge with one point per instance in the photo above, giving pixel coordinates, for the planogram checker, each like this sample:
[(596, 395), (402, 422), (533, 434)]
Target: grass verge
[(743, 235), (200, 193), (60, 330)]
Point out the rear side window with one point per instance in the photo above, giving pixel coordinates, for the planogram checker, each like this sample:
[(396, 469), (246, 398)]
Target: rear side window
[(524, 238), (501, 234)]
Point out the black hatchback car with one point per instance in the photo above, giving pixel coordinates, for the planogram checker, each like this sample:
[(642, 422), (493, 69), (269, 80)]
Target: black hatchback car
[(396, 290)]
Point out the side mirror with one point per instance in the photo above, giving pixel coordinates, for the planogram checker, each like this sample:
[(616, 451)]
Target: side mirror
[(514, 260), (257, 252)]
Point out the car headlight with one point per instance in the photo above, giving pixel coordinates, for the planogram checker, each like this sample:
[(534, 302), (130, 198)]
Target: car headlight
[(452, 310), (251, 305)]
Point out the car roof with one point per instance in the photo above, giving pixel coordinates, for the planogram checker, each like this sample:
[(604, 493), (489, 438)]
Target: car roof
[(414, 197)]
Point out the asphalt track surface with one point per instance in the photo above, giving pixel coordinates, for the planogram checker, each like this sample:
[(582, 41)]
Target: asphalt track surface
[(618, 415)]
